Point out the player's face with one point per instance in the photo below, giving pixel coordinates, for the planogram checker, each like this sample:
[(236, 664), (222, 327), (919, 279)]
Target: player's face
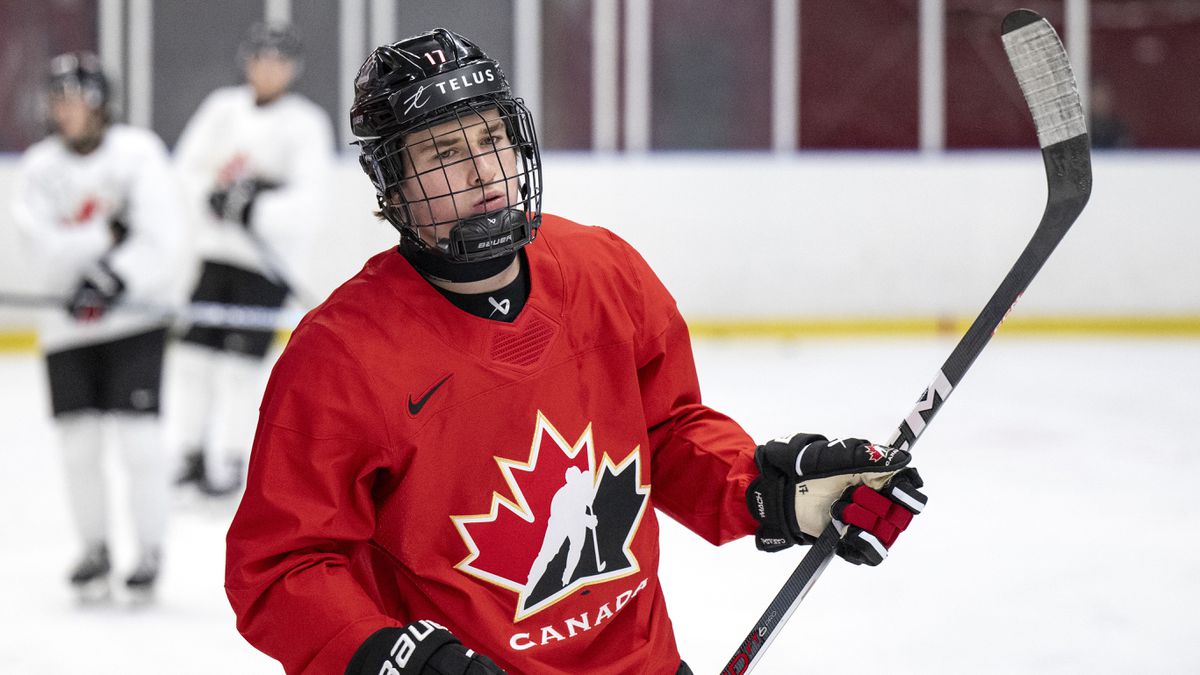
[(269, 74), (74, 119), (456, 170)]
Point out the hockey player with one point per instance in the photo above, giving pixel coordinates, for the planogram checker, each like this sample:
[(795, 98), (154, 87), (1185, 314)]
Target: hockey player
[(461, 454), (100, 212), (255, 161)]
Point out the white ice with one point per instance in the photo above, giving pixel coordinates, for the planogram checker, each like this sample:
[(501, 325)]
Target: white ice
[(1062, 533)]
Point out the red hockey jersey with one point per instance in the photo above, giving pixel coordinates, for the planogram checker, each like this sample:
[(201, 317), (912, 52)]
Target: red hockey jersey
[(413, 461)]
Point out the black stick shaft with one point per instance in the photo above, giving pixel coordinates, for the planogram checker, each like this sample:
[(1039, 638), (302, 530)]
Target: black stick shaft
[(1043, 71)]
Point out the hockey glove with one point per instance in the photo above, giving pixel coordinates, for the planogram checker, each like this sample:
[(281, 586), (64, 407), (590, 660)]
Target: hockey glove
[(235, 203), (868, 491), (98, 290), (119, 231), (420, 648)]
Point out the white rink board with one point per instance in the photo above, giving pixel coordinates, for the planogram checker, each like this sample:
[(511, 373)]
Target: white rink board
[(1059, 538), (836, 235)]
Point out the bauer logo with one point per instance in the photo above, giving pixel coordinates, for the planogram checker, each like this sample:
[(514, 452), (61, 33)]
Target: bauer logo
[(506, 239), (566, 520)]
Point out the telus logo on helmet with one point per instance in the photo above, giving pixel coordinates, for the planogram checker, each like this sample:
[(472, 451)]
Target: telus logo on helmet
[(419, 98)]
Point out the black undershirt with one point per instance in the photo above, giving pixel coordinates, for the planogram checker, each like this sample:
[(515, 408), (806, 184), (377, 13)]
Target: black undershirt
[(503, 304)]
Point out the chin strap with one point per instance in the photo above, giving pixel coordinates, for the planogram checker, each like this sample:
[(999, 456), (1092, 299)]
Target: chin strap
[(435, 265)]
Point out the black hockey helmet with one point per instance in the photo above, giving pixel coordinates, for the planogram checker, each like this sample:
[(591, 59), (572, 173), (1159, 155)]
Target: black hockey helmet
[(441, 79), (275, 38), (80, 73)]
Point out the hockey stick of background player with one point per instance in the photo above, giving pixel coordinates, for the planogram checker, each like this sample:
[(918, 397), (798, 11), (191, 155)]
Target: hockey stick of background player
[(209, 314), (1044, 73), (273, 270)]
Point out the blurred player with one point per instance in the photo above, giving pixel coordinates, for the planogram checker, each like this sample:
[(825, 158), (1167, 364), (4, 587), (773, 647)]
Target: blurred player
[(101, 215), (255, 161), (462, 452)]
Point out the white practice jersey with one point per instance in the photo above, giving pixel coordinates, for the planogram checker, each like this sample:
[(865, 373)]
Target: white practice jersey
[(288, 143), (65, 204)]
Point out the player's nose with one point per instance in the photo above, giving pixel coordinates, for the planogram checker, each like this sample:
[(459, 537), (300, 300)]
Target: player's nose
[(486, 167)]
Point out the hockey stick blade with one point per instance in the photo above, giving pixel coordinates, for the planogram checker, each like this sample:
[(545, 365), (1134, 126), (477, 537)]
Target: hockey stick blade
[(1044, 74)]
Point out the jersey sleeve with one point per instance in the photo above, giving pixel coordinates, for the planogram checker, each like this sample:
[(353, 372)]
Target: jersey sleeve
[(192, 151), (321, 443), (286, 219), (703, 460), (59, 253), (148, 257)]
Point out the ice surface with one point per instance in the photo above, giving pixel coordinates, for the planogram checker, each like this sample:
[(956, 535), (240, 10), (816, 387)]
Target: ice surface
[(1062, 534)]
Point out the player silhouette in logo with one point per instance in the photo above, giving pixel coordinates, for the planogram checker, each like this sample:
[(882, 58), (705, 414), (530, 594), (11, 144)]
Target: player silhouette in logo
[(570, 518)]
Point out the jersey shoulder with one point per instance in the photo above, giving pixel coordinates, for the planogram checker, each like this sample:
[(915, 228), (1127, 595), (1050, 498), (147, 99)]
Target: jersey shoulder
[(364, 297), (46, 152), (229, 97), (599, 266), (591, 251), (570, 240), (303, 104), (223, 103), (135, 140), (122, 144)]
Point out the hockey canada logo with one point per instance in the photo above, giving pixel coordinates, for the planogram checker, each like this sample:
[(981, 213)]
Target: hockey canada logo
[(568, 521)]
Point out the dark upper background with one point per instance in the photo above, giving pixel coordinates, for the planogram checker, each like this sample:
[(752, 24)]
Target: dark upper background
[(710, 72)]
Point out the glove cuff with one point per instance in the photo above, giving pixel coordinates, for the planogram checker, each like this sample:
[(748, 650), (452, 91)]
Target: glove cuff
[(903, 489), (769, 498), (105, 279), (405, 650)]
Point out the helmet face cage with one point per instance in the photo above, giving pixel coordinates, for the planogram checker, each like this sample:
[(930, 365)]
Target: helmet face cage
[(80, 74), (477, 200), (276, 39)]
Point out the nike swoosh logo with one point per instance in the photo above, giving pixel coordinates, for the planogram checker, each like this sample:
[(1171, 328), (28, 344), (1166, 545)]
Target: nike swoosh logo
[(414, 407)]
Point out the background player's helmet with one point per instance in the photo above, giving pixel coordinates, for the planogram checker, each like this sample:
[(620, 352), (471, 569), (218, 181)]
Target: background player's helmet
[(272, 38), (429, 80), (80, 74)]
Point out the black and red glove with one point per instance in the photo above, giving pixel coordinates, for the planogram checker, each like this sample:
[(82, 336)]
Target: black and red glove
[(420, 648), (235, 202), (98, 289), (806, 481)]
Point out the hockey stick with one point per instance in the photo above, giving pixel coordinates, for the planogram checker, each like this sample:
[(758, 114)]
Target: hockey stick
[(207, 314), (600, 564), (1043, 71)]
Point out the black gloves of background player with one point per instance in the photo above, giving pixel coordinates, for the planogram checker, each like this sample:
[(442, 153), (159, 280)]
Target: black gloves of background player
[(234, 203), (867, 490), (420, 648), (98, 289)]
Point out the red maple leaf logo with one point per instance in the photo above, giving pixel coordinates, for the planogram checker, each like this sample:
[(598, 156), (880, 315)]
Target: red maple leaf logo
[(874, 454), (509, 546), (87, 210), (234, 169)]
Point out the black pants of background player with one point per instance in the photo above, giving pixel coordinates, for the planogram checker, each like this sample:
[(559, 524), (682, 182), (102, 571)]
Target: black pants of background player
[(113, 386), (217, 387)]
